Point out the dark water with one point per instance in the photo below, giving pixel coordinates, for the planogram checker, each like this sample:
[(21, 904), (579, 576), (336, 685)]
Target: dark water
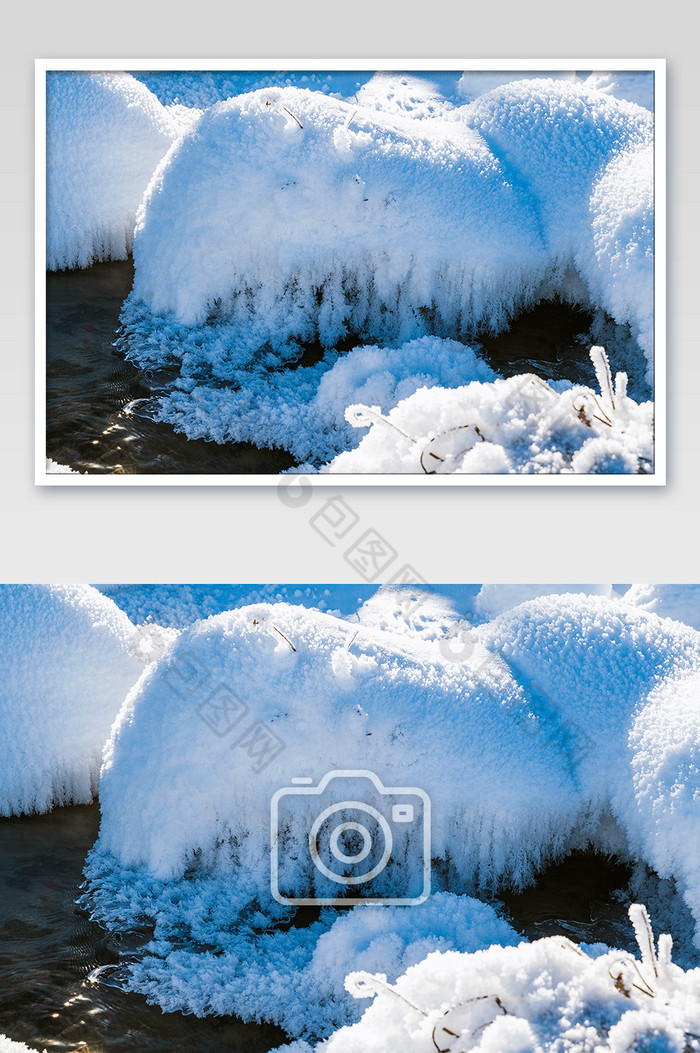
[(48, 947), (552, 341), (583, 897), (90, 386)]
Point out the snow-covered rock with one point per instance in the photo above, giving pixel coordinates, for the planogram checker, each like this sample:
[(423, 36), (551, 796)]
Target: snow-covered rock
[(567, 722), (106, 132), (587, 160), (285, 216), (68, 661)]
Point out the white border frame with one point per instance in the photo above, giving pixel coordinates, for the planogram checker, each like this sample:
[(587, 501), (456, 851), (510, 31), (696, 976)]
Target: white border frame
[(657, 66)]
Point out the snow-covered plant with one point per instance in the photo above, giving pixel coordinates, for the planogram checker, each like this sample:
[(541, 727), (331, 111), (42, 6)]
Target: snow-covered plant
[(612, 1002)]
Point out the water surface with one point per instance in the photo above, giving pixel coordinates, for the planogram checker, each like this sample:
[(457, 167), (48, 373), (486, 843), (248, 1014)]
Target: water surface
[(49, 948)]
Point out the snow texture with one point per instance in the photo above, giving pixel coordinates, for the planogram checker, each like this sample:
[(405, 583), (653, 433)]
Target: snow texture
[(286, 217), (177, 606), (493, 600), (568, 722), (295, 978), (545, 997), (521, 425), (633, 86), (8, 1046), (54, 468), (66, 669), (303, 410), (106, 132), (680, 602)]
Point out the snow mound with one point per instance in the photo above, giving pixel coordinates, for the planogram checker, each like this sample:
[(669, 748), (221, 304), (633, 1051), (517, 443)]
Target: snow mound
[(587, 160), (519, 696), (296, 978), (567, 723), (286, 217), (67, 667), (493, 600), (404, 94), (547, 996), (633, 86), (520, 425), (680, 602), (303, 410), (406, 610), (106, 133)]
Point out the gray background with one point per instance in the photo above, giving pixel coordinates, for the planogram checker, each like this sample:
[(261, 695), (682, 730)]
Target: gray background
[(247, 534)]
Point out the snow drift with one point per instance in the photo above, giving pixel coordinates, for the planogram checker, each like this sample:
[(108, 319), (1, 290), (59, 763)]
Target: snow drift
[(285, 216), (548, 996), (67, 667), (681, 602), (521, 425), (106, 132), (569, 721)]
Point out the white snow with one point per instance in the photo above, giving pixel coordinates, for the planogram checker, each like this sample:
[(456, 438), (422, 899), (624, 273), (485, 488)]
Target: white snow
[(586, 159), (303, 410), (177, 606), (416, 399), (493, 600), (8, 1046), (570, 722), (54, 468), (66, 669), (632, 85), (106, 132), (681, 602), (296, 978), (399, 216), (545, 997), (521, 425), (285, 216)]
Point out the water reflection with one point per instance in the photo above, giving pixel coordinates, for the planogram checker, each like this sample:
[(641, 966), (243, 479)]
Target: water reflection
[(92, 396), (48, 949)]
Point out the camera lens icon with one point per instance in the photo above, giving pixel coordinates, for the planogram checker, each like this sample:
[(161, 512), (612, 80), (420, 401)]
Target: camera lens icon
[(350, 839), (340, 831)]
